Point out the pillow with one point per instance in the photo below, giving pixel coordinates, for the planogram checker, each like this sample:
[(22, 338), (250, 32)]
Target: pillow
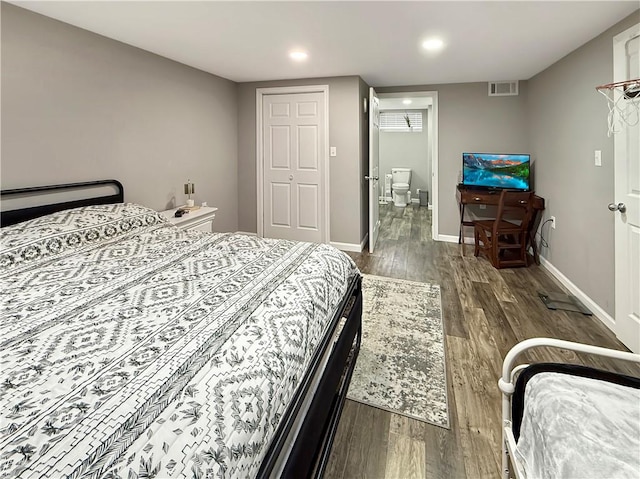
[(52, 234)]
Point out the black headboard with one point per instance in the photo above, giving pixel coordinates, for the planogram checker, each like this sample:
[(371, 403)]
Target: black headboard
[(11, 217)]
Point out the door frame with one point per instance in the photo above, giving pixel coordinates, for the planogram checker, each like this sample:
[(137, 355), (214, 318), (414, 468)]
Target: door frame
[(373, 184), (324, 162), (433, 132)]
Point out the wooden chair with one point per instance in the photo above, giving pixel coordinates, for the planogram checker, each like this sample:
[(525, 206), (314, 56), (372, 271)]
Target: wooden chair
[(504, 241)]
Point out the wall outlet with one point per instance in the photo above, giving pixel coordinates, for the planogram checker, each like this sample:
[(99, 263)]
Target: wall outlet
[(333, 151), (553, 222), (597, 155)]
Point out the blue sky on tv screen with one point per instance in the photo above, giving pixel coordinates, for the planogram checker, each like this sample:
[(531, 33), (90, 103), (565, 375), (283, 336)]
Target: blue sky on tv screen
[(496, 170), (496, 158)]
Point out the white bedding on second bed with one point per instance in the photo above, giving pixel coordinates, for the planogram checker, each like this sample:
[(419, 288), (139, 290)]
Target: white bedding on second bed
[(575, 427)]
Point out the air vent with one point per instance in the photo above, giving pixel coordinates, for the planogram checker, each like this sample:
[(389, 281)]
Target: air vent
[(503, 88)]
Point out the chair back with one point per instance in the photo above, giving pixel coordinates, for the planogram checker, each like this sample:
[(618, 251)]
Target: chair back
[(518, 203)]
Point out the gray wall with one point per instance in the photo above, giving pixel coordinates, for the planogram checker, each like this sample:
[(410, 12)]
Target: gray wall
[(568, 121), (407, 150), (77, 106), (470, 120), (345, 109)]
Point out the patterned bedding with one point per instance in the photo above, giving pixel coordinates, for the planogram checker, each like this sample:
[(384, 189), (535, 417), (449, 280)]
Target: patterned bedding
[(132, 349), (579, 428)]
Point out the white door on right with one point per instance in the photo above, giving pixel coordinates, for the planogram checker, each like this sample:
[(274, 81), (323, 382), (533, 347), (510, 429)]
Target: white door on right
[(626, 204)]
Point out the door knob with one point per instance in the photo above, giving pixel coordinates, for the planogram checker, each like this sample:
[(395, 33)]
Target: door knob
[(621, 207), (291, 177)]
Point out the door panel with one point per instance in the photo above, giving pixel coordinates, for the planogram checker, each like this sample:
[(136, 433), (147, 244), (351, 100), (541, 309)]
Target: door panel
[(307, 108), (279, 109), (279, 152), (308, 199), (308, 147), (293, 166), (627, 190), (280, 206)]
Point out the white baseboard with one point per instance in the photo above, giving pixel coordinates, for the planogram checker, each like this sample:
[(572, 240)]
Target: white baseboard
[(599, 313), (353, 247), (246, 233)]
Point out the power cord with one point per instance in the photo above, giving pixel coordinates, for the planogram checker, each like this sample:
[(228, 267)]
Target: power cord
[(543, 242)]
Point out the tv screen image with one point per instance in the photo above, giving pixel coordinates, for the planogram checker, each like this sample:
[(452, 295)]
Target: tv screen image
[(494, 170)]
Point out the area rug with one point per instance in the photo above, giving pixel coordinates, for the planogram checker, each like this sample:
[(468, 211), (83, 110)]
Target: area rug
[(401, 365)]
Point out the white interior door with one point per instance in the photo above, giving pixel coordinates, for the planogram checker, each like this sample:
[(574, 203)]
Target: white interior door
[(627, 191), (374, 167), (293, 132)]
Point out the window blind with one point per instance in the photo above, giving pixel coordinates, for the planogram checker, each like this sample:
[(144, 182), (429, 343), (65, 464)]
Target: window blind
[(396, 120)]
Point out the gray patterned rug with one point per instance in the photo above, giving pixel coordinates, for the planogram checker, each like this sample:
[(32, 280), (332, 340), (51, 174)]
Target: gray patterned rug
[(401, 366)]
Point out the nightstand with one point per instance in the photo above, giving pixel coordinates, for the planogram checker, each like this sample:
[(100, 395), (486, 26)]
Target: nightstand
[(200, 219)]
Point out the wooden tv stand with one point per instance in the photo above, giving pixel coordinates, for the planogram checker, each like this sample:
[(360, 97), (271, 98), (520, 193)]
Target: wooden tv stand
[(474, 196)]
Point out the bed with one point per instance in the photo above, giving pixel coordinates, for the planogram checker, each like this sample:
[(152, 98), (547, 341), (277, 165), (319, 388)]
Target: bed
[(131, 348), (567, 420)]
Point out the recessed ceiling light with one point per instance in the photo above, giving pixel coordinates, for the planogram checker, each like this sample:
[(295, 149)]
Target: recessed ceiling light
[(406, 101), (433, 44), (298, 55)]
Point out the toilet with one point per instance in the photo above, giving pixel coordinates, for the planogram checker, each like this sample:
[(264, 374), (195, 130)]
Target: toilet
[(400, 180)]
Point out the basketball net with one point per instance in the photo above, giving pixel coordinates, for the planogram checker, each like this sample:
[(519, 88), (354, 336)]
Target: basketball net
[(623, 100)]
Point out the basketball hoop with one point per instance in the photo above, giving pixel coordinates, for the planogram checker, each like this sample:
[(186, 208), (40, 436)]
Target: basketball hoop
[(623, 99)]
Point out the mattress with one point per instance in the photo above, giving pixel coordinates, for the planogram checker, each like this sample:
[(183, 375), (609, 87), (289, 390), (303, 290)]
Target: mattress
[(579, 427), (131, 348)]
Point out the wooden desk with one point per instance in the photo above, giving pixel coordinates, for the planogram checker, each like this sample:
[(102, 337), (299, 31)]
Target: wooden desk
[(471, 196)]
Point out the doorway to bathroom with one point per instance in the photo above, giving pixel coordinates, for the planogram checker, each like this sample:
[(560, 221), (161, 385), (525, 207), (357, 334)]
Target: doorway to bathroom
[(408, 141)]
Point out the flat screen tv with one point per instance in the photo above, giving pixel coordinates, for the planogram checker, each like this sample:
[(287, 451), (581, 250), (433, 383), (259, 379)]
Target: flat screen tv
[(496, 171)]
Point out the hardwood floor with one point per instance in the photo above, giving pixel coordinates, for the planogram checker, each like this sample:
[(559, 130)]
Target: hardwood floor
[(486, 311)]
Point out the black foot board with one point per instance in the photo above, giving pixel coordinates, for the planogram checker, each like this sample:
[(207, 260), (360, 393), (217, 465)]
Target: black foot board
[(310, 453), (321, 424)]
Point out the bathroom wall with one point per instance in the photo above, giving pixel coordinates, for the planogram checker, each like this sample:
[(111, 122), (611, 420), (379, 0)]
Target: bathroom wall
[(407, 150), (77, 106)]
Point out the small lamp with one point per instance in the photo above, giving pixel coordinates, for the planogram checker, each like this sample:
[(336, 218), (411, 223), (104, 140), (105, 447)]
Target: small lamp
[(189, 189)]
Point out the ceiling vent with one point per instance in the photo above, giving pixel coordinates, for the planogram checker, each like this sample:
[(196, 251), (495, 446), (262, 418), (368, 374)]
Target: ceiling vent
[(503, 88)]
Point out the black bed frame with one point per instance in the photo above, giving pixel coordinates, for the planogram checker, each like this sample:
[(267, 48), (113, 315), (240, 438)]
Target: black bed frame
[(312, 447), (12, 217)]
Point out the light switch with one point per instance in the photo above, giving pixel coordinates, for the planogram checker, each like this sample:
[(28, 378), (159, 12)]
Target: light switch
[(332, 151), (598, 157)]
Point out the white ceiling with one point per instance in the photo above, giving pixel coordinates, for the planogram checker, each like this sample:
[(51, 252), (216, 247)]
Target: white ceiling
[(380, 41)]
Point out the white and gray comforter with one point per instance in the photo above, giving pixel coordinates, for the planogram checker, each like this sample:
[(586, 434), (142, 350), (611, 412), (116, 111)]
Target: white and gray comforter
[(579, 428), (132, 349)]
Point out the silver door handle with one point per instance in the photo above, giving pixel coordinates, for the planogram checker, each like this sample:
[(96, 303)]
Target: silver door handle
[(374, 178), (290, 177), (621, 207)]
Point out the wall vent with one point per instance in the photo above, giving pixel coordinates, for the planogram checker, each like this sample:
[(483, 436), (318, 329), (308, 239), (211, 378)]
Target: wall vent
[(503, 88)]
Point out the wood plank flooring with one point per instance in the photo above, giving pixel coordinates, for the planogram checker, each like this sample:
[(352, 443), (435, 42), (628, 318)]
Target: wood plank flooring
[(486, 311)]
